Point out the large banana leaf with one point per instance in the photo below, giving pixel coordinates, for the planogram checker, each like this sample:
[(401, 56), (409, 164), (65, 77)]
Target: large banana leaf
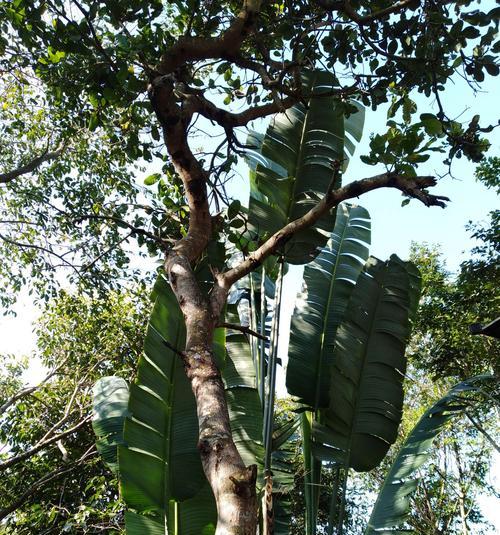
[(245, 408), (328, 284), (393, 503), (366, 394), (186, 518), (284, 460), (109, 409), (160, 466), (293, 165)]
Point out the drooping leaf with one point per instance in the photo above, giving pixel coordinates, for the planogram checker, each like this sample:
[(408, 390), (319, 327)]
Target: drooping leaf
[(293, 165), (393, 503), (160, 465), (366, 394), (109, 409), (245, 409), (328, 284)]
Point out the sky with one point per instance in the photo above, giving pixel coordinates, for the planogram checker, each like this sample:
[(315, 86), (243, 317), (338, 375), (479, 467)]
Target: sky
[(394, 228)]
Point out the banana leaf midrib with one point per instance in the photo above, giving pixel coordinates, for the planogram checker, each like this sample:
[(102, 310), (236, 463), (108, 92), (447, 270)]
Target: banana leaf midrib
[(168, 441), (380, 294), (300, 152), (327, 315), (299, 159)]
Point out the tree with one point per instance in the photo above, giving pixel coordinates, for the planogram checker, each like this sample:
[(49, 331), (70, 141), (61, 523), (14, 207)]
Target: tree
[(52, 480), (442, 342), (121, 72)]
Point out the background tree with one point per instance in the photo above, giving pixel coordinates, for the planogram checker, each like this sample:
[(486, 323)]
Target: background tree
[(52, 479), (126, 71), (451, 303)]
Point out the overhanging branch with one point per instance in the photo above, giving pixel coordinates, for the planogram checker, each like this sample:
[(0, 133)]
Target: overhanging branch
[(188, 49), (31, 165), (415, 187), (199, 104)]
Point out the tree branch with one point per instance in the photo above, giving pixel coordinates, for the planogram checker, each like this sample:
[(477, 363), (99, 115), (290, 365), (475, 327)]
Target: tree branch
[(242, 328), (31, 166), (194, 178), (344, 6), (199, 104), (120, 222), (27, 454), (29, 389), (482, 430), (65, 262), (43, 481), (412, 187), (197, 48)]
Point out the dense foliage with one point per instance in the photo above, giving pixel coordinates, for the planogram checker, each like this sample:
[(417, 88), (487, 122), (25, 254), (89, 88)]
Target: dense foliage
[(454, 302), (121, 123), (52, 479)]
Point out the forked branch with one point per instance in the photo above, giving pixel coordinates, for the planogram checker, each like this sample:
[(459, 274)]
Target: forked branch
[(189, 49), (415, 187)]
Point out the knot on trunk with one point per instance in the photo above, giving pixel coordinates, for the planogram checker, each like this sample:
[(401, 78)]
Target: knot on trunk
[(244, 481), (199, 364)]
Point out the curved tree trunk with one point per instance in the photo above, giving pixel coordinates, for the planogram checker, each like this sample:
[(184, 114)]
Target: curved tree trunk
[(233, 484)]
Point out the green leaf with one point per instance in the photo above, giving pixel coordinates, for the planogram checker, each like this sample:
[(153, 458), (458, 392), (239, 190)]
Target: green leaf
[(328, 283), (93, 121), (366, 394), (110, 397), (233, 209), (161, 461), (152, 179), (245, 408), (470, 32), (393, 502), (297, 157)]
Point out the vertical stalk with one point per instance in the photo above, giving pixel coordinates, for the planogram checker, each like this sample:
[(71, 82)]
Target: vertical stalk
[(262, 345), (269, 406), (173, 517), (253, 325), (306, 425), (345, 475), (332, 516)]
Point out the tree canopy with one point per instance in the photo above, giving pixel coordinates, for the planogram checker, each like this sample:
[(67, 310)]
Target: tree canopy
[(79, 100), (97, 93)]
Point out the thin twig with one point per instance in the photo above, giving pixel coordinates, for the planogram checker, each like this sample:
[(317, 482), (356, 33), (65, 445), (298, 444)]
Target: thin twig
[(243, 329)]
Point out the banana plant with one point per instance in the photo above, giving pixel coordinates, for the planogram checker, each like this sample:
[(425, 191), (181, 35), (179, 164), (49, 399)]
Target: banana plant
[(161, 478), (291, 168), (295, 162), (161, 436), (366, 392), (328, 284), (393, 502), (346, 320)]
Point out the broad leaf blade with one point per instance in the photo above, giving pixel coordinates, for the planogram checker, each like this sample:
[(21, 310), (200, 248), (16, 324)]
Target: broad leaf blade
[(366, 395), (393, 503), (245, 408), (109, 409), (160, 464), (328, 284), (293, 166)]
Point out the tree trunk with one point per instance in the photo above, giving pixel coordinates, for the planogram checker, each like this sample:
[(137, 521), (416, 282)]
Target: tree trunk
[(233, 483)]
